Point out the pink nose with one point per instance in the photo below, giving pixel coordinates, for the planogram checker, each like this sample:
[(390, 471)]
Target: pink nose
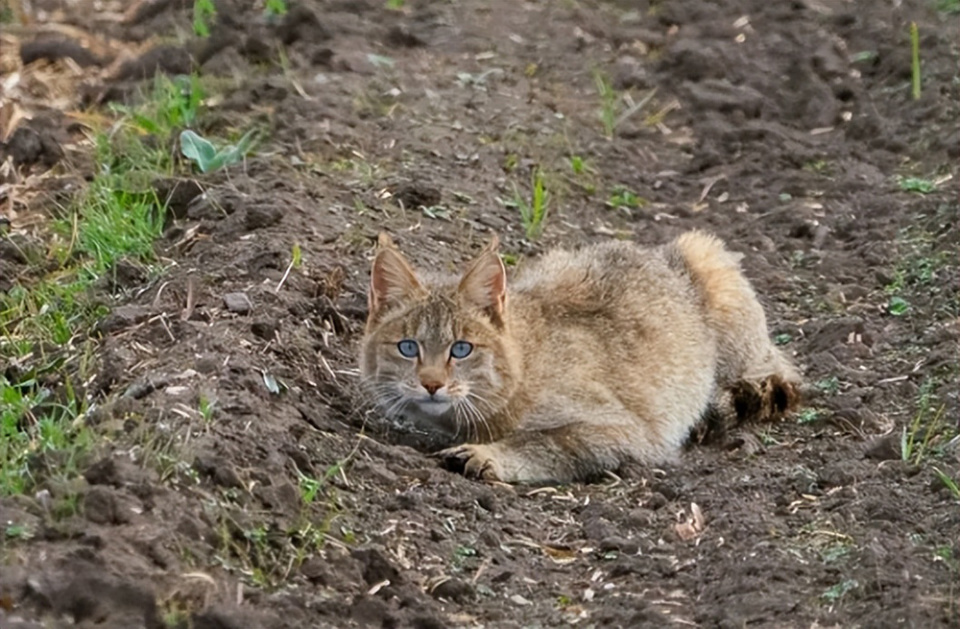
[(432, 387)]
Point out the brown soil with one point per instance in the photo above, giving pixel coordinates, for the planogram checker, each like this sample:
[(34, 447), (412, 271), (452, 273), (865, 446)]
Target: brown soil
[(781, 126)]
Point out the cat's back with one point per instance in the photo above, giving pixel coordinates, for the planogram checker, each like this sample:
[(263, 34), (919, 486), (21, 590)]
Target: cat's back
[(602, 275)]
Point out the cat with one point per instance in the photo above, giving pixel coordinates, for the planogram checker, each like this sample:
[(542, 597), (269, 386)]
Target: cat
[(592, 358)]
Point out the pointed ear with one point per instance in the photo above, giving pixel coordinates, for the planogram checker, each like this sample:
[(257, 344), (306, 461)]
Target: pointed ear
[(484, 285), (392, 279)]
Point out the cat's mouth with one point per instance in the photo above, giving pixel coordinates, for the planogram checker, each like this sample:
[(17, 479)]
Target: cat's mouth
[(433, 406)]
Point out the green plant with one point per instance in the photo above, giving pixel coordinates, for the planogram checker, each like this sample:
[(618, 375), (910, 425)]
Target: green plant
[(206, 408), (898, 306), (623, 198), (925, 429), (608, 103), (309, 487), (829, 386), (276, 7), (534, 212), (208, 157), (948, 482), (396, 5), (172, 104), (838, 591), (577, 164), (915, 60), (17, 531), (916, 184), (950, 7), (37, 425), (203, 12)]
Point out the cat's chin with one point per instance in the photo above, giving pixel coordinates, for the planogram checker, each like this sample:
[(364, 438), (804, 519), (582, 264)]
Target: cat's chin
[(432, 408)]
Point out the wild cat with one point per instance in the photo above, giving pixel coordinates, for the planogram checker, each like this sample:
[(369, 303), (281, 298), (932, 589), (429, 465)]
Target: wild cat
[(591, 358)]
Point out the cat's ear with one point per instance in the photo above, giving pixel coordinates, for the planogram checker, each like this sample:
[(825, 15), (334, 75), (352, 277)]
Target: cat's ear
[(392, 279), (484, 285)]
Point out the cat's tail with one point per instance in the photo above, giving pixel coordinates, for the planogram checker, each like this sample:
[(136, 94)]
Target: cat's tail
[(763, 383), (715, 271)]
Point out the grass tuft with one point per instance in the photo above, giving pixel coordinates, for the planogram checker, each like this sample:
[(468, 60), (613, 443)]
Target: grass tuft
[(533, 212)]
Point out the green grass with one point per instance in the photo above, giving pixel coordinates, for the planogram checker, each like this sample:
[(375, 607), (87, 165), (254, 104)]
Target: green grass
[(917, 184), (915, 60), (533, 212), (950, 7), (609, 103), (928, 430), (276, 7), (948, 482), (47, 319), (204, 12), (921, 261), (612, 112), (40, 430), (622, 198)]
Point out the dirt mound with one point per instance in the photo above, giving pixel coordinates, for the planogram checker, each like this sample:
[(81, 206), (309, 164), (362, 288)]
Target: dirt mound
[(241, 481)]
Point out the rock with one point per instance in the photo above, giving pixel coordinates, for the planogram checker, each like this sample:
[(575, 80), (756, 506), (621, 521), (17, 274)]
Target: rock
[(122, 317), (453, 589), (629, 73), (101, 506), (886, 448), (401, 36), (487, 499), (111, 471), (219, 471), (376, 568), (721, 95), (267, 330), (237, 303), (259, 217), (301, 23), (619, 544)]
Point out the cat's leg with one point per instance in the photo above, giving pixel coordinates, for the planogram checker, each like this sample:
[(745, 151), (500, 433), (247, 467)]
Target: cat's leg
[(575, 451), (750, 400)]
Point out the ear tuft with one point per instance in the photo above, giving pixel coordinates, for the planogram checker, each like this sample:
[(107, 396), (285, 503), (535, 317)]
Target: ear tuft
[(484, 285), (392, 279), (384, 241)]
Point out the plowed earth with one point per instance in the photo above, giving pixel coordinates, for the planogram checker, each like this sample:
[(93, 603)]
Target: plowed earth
[(784, 127)]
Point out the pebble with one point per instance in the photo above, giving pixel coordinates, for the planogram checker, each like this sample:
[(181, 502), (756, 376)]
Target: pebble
[(237, 303)]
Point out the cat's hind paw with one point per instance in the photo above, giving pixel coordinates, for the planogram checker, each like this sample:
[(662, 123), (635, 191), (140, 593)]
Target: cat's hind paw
[(473, 461)]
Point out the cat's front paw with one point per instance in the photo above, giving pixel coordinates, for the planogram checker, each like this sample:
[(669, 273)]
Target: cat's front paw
[(475, 461)]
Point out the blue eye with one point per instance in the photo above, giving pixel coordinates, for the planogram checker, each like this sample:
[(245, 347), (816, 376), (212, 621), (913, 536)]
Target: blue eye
[(461, 349), (408, 348)]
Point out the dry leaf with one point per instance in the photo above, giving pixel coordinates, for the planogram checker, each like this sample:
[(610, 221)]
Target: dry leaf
[(560, 554)]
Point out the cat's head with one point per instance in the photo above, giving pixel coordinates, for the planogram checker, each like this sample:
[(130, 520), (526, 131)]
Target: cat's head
[(437, 355)]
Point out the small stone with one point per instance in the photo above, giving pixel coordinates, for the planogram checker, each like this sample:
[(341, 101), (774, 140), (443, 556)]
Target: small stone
[(453, 589), (259, 217), (267, 330), (640, 518), (122, 317), (626, 546), (884, 449), (101, 506), (519, 600), (655, 501), (214, 467), (237, 303), (487, 499), (316, 570)]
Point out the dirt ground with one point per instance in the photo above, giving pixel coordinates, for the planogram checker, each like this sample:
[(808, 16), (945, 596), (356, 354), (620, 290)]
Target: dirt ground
[(787, 128)]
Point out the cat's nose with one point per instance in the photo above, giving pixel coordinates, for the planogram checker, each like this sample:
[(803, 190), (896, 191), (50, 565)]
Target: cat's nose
[(432, 386)]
